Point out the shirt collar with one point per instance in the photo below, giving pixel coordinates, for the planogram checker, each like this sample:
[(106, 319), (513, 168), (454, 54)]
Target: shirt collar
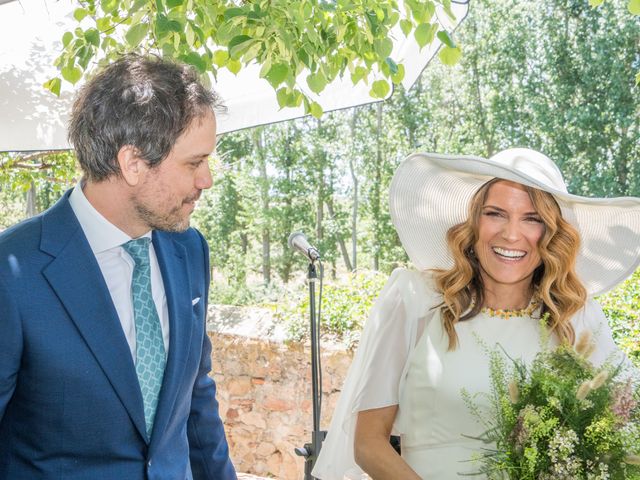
[(100, 232)]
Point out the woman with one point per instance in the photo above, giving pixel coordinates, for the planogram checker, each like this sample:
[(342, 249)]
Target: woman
[(498, 244)]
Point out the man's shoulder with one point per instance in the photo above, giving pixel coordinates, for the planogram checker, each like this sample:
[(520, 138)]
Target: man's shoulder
[(21, 236)]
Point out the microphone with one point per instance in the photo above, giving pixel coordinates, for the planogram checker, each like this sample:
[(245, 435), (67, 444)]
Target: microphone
[(297, 241)]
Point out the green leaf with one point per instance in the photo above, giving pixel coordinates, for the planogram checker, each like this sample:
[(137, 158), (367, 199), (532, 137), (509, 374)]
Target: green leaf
[(445, 38), (220, 57), (406, 26), (266, 66), (251, 52), (634, 7), (595, 3), (190, 35), (225, 32), (164, 26), (53, 86), (238, 45), (449, 56), (71, 74), (424, 34), (638, 79), (380, 89), (92, 37), (103, 23), (340, 31), (447, 9), (430, 11), (233, 12), (304, 57), (315, 109), (383, 47), (295, 100), (393, 66), (193, 58), (174, 3), (317, 82), (234, 66), (277, 74), (358, 74), (109, 6), (398, 77), (79, 14), (136, 33), (66, 38), (84, 55), (107, 43), (282, 95)]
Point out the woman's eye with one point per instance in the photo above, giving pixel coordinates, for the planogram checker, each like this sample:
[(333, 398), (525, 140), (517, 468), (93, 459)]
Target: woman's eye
[(534, 219), (492, 213)]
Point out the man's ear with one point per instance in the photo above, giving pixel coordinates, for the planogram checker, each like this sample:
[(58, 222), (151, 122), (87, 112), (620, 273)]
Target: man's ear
[(132, 165)]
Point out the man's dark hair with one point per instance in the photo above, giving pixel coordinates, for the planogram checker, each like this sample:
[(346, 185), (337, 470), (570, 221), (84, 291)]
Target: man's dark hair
[(145, 102)]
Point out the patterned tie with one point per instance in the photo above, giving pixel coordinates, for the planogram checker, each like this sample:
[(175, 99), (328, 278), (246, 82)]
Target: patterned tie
[(150, 354)]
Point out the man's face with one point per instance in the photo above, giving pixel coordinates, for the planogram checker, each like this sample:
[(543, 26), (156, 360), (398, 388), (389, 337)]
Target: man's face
[(168, 193)]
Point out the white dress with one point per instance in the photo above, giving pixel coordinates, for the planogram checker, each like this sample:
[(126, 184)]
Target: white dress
[(403, 360), (438, 445)]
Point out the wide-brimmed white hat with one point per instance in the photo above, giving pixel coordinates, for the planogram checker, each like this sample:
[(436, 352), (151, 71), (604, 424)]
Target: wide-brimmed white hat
[(430, 193)]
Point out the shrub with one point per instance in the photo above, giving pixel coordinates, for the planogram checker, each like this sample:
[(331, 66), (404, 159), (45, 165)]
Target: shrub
[(621, 306), (345, 306)]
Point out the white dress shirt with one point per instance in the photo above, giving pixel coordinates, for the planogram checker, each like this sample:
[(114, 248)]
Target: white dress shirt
[(116, 264)]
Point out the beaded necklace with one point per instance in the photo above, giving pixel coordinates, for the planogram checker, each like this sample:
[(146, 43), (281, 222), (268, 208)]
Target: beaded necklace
[(506, 314)]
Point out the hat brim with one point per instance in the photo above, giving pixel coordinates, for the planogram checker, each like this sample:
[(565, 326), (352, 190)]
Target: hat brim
[(430, 193)]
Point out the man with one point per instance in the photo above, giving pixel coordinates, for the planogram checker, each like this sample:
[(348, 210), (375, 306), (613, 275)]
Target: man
[(104, 359)]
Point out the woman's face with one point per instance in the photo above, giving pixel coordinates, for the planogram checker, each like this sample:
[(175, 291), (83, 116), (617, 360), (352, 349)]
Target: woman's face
[(508, 233)]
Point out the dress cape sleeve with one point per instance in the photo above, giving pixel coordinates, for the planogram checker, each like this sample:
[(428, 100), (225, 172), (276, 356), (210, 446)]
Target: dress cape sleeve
[(593, 319), (376, 376)]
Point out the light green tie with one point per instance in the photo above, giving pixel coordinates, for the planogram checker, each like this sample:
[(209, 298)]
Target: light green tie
[(150, 354)]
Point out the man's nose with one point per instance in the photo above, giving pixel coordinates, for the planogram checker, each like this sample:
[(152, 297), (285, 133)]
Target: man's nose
[(204, 179)]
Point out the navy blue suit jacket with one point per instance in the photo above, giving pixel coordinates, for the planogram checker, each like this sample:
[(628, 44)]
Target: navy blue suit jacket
[(70, 403)]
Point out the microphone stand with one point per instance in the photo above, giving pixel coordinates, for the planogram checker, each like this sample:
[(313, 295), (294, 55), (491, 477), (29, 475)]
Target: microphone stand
[(310, 451)]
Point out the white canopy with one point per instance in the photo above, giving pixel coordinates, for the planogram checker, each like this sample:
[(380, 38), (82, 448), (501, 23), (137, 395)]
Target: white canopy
[(31, 118)]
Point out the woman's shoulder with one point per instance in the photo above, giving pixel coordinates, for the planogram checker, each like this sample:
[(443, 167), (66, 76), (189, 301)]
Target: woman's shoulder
[(589, 317), (416, 288), (422, 282)]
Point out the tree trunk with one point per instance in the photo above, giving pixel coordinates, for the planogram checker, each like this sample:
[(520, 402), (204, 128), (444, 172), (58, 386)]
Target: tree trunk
[(354, 181), (485, 134), (32, 207), (287, 262), (320, 154), (339, 239), (377, 179), (259, 149)]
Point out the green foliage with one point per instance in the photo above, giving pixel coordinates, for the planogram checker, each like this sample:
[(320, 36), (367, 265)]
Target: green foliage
[(559, 418), (236, 294), (326, 39), (46, 175), (345, 307), (622, 308)]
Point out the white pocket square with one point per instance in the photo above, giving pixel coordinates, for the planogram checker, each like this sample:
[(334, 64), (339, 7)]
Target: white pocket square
[(195, 301)]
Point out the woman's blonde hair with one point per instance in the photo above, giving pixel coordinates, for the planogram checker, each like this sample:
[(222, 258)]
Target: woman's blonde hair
[(555, 281)]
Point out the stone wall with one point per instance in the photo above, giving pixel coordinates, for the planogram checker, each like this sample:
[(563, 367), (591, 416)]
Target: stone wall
[(264, 390)]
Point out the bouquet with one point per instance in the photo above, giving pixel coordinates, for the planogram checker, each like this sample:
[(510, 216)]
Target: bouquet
[(559, 418)]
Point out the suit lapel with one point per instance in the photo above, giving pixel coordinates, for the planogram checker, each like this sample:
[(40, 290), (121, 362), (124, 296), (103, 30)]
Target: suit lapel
[(175, 277), (76, 278)]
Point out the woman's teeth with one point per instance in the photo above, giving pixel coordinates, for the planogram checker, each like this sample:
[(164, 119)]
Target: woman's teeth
[(509, 253)]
